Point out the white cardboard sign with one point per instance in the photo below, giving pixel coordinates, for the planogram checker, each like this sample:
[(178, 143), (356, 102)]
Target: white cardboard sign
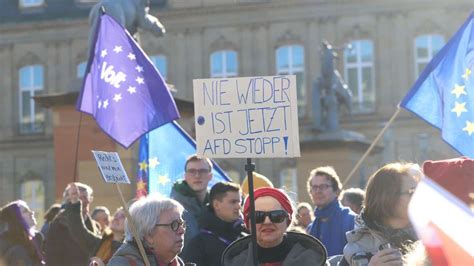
[(246, 117), (111, 167)]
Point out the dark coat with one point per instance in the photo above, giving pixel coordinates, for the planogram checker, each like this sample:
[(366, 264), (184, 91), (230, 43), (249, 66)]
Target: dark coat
[(12, 253), (306, 250), (88, 240), (207, 247), (182, 193), (61, 248)]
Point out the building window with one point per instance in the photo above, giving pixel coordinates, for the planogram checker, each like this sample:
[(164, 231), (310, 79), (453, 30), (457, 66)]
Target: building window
[(224, 64), (31, 3), (359, 75), (426, 46), (81, 70), (32, 192), (31, 80), (160, 63), (290, 61)]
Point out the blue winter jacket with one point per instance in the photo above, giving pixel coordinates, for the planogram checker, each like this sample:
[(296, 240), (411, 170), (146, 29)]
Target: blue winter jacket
[(330, 226)]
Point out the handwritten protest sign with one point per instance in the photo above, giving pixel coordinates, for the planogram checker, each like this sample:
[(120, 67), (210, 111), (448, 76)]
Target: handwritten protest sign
[(246, 117), (111, 167)]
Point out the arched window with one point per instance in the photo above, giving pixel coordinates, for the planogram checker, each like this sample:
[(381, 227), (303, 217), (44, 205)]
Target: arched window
[(32, 192), (290, 61), (426, 46), (31, 82), (224, 64), (359, 75), (160, 63)]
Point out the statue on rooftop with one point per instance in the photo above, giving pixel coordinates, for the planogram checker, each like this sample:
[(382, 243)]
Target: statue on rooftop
[(132, 14), (330, 92)]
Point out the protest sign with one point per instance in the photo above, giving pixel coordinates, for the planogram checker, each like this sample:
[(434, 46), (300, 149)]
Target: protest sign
[(246, 117), (111, 167)]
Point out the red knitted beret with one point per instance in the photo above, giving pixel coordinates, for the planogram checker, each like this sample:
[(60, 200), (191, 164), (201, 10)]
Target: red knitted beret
[(278, 194), (455, 175)]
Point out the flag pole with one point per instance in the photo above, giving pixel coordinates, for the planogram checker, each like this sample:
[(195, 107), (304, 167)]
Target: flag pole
[(76, 155), (132, 227), (372, 145), (250, 167)]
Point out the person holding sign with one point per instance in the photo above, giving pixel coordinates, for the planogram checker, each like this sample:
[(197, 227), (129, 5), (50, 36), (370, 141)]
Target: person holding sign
[(160, 227), (60, 245), (276, 246), (192, 192), (99, 247)]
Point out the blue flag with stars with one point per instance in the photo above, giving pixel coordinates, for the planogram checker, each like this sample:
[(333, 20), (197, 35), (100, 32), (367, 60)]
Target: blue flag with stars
[(142, 175), (443, 95), (163, 153), (122, 89)]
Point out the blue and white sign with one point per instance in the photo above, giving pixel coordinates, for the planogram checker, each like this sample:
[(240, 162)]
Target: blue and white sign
[(246, 117)]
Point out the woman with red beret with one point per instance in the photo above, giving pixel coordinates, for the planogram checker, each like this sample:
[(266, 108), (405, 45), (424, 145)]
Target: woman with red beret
[(275, 245)]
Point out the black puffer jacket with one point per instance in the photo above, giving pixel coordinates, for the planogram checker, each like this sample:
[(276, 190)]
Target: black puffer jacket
[(207, 247), (306, 250)]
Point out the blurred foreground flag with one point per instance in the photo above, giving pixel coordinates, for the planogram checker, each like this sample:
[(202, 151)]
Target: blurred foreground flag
[(443, 95), (122, 89), (162, 156), (443, 223)]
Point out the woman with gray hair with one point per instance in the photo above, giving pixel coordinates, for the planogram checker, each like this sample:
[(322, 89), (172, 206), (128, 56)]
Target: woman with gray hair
[(160, 227)]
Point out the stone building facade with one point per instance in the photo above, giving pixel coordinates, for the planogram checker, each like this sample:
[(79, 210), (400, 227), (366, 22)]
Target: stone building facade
[(43, 49)]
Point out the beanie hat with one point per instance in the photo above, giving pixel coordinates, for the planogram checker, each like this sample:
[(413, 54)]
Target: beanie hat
[(455, 175), (275, 193), (258, 182)]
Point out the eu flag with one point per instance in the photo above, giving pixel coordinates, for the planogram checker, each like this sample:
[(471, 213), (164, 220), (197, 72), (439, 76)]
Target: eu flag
[(163, 153), (443, 95), (143, 171), (122, 89)]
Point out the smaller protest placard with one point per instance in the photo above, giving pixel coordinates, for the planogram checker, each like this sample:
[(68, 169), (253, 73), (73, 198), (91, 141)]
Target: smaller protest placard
[(111, 167)]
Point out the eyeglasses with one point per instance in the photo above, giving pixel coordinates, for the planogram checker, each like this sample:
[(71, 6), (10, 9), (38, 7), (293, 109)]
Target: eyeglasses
[(277, 216), (202, 171), (408, 192), (175, 225), (321, 187)]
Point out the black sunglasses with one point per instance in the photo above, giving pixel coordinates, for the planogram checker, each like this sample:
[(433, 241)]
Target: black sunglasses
[(275, 216), (175, 225)]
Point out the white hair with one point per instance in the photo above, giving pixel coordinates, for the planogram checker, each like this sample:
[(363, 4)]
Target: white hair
[(146, 212)]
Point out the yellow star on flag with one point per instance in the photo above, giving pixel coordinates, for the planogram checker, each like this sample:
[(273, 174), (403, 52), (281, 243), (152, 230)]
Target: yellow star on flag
[(459, 108), (141, 185), (458, 90), (469, 127), (466, 74), (153, 162), (163, 180), (143, 166)]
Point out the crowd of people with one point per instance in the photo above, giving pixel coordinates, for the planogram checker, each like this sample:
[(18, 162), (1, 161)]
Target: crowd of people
[(198, 226)]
